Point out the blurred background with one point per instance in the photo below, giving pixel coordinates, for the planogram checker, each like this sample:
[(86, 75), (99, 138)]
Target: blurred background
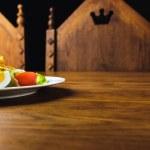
[(36, 22)]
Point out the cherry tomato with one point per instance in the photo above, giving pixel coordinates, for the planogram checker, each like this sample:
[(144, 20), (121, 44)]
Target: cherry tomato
[(26, 78)]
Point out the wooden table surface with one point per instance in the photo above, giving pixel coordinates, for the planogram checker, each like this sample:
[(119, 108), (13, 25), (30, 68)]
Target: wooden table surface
[(89, 111)]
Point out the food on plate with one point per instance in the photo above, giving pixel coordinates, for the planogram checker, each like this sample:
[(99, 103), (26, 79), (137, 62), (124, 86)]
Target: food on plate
[(2, 61), (26, 78), (4, 78), (40, 79), (9, 76), (2, 64)]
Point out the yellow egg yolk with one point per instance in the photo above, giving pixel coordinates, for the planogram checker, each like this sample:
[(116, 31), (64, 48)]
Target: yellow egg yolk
[(2, 76)]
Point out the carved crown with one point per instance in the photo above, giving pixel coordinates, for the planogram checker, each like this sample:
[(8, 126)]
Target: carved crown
[(102, 18)]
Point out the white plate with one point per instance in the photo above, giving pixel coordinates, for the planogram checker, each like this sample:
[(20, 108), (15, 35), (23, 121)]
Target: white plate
[(12, 92)]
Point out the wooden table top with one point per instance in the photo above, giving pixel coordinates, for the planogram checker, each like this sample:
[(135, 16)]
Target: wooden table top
[(89, 111)]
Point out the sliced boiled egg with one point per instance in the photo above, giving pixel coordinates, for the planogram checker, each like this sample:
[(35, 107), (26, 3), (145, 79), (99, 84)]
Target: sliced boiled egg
[(4, 78)]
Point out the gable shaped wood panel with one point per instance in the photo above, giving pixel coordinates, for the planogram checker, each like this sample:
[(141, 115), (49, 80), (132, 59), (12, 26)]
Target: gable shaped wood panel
[(121, 45), (12, 41)]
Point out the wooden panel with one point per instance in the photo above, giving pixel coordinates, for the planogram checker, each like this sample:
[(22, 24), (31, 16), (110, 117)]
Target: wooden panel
[(50, 44), (121, 45), (50, 50), (12, 40)]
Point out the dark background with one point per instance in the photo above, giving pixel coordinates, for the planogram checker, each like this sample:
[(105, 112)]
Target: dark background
[(36, 19)]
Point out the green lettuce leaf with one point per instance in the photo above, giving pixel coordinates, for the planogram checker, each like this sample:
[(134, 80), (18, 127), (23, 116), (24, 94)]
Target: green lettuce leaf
[(40, 79)]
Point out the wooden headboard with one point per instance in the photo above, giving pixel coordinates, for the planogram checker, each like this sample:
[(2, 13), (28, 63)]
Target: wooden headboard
[(12, 40), (101, 35)]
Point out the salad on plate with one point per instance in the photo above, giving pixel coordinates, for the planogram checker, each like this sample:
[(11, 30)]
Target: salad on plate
[(12, 77)]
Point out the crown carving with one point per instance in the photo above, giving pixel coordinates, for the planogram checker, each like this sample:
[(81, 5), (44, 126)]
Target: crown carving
[(102, 18)]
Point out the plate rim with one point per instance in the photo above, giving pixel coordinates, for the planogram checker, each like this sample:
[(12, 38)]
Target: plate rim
[(49, 83)]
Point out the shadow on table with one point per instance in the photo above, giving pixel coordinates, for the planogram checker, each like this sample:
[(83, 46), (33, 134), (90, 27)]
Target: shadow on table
[(41, 96)]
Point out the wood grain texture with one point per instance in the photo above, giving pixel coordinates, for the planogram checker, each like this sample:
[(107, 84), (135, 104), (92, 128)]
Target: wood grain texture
[(92, 111), (121, 45), (12, 41)]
